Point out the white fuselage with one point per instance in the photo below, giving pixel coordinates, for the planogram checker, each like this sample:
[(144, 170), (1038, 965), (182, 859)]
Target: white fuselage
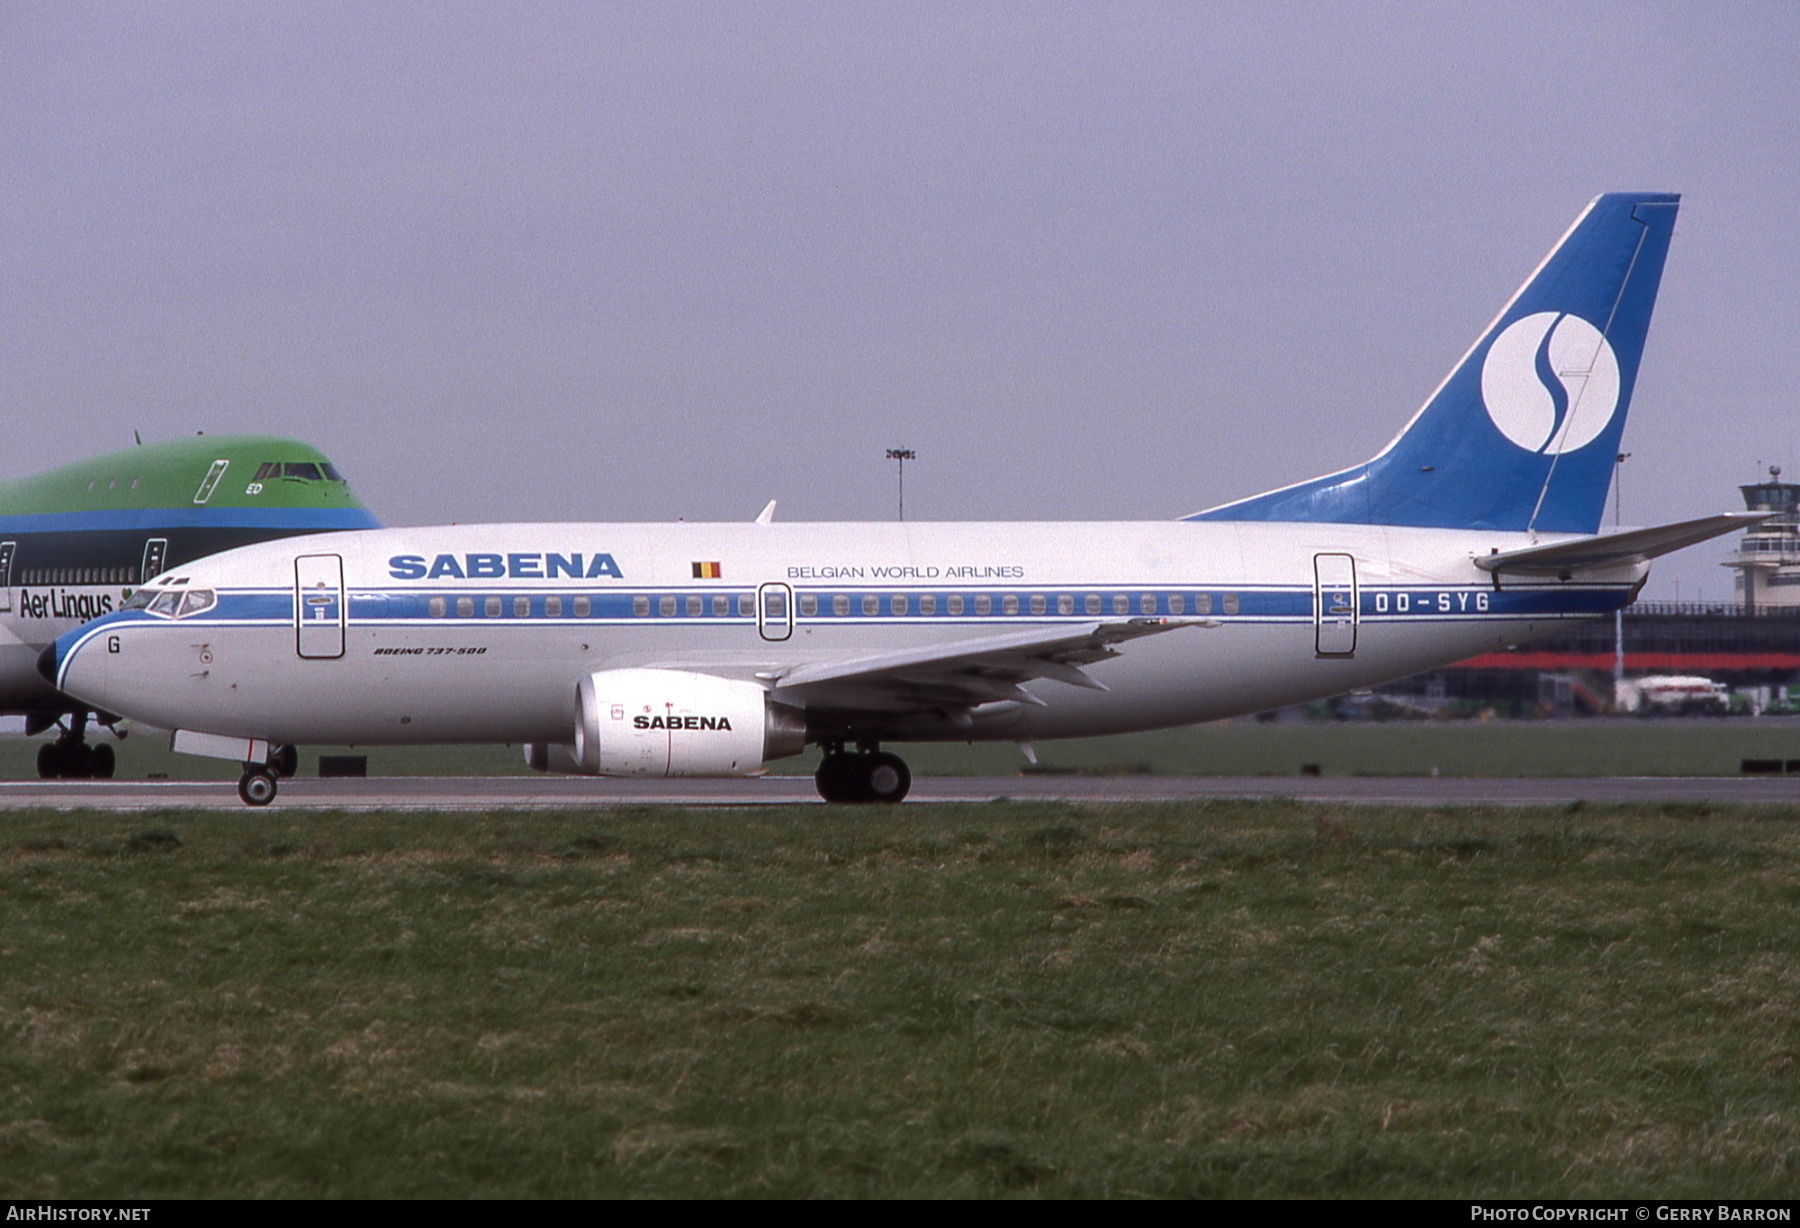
[(481, 634)]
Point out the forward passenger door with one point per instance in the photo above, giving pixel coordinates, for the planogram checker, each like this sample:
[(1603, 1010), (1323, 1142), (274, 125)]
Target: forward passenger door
[(319, 606)]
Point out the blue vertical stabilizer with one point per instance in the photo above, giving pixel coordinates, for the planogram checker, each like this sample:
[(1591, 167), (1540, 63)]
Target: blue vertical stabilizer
[(1524, 431)]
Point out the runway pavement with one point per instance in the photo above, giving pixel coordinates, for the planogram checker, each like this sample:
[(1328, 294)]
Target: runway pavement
[(463, 793)]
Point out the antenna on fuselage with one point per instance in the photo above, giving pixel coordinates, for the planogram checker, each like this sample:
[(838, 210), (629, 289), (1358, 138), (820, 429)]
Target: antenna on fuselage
[(139, 438)]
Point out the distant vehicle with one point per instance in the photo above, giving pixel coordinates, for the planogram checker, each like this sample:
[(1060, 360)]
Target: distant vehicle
[(77, 541), (712, 649), (1675, 694)]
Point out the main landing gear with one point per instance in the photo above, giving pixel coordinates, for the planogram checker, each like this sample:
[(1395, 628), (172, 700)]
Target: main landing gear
[(71, 758), (865, 775)]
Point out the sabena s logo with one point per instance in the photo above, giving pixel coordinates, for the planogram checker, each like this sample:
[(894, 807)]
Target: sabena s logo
[(1550, 382)]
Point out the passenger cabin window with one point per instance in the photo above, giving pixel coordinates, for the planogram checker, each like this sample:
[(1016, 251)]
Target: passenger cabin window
[(809, 604), (871, 605), (1065, 604), (1176, 603), (955, 603), (928, 604), (721, 605), (984, 604), (840, 605), (666, 607), (465, 607), (1009, 604), (1203, 603), (436, 605), (1231, 603), (1091, 603), (1147, 603), (746, 605), (899, 603), (521, 607), (695, 607), (493, 607), (553, 607), (1121, 604), (1037, 603), (583, 605), (640, 606)]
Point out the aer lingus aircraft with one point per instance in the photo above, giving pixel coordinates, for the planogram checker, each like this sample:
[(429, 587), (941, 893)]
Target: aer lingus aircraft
[(76, 541), (712, 649)]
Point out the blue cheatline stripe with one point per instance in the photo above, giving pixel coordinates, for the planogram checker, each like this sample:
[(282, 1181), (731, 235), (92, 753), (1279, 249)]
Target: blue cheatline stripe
[(148, 519), (1383, 605)]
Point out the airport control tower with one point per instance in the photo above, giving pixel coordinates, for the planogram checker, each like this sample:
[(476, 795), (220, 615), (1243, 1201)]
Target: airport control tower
[(1768, 559)]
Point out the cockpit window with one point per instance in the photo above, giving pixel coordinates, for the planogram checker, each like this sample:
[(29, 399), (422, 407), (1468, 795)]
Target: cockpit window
[(174, 602), (300, 471)]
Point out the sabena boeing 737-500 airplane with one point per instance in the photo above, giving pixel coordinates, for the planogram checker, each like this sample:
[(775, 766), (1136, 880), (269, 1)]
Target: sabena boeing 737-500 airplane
[(712, 649)]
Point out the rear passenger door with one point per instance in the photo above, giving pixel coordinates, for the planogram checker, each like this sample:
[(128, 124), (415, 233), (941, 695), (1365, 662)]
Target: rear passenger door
[(1334, 605)]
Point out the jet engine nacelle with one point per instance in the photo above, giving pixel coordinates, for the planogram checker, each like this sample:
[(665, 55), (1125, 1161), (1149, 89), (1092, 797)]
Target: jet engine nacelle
[(665, 722)]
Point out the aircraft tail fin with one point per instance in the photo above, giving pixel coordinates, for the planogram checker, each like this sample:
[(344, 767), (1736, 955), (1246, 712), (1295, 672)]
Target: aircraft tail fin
[(1523, 432)]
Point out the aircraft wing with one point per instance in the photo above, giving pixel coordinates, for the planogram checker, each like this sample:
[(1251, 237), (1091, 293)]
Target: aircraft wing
[(1616, 549), (977, 671)]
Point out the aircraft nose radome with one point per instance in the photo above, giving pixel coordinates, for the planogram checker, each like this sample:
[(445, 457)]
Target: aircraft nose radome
[(46, 663)]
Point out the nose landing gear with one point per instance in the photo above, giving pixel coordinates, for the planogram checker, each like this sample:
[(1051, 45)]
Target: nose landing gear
[(862, 776), (257, 785)]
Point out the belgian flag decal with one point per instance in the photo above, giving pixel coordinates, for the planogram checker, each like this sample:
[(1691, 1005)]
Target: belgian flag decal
[(707, 571)]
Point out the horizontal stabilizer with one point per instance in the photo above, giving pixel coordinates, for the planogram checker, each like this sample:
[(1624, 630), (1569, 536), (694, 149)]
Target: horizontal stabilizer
[(1618, 549)]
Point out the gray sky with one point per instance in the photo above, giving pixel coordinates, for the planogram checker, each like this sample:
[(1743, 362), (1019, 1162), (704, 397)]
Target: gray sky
[(673, 260)]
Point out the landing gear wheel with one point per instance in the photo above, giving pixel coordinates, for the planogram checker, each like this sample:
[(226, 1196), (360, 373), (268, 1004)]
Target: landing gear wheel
[(885, 777), (284, 761), (838, 778), (70, 757), (257, 786), (866, 777)]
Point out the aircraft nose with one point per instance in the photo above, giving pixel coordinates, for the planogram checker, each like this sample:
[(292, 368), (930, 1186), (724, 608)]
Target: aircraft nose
[(46, 663)]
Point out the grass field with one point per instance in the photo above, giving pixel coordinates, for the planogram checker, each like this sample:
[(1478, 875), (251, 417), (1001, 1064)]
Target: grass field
[(1215, 999), (1595, 747)]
